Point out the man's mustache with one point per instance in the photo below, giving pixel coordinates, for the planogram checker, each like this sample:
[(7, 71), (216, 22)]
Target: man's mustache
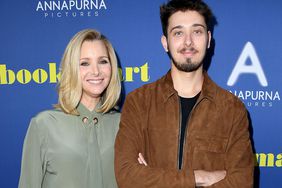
[(191, 49)]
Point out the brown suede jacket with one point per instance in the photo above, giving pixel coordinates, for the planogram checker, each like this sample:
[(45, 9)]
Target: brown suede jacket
[(217, 138)]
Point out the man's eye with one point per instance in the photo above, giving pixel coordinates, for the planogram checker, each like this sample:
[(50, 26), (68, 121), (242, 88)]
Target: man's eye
[(178, 33), (198, 32)]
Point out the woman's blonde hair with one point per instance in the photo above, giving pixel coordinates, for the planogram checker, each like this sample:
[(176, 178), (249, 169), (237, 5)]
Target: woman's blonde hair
[(70, 86)]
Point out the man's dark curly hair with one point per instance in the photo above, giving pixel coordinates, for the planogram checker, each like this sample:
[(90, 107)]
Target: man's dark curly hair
[(173, 6)]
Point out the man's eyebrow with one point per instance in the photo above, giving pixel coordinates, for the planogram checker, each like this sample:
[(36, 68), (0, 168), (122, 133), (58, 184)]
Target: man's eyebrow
[(194, 25), (201, 25), (176, 27)]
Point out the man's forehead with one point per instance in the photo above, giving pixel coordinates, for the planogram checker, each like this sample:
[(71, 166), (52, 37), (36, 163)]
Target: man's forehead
[(186, 19)]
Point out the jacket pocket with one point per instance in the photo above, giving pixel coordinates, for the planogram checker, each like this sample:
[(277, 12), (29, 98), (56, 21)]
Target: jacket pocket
[(209, 153)]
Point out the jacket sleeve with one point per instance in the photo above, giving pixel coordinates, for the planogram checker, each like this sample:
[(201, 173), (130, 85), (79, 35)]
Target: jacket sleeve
[(32, 169), (129, 142), (240, 157)]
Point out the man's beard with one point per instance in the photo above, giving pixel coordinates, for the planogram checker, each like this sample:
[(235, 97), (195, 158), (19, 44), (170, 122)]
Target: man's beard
[(187, 66)]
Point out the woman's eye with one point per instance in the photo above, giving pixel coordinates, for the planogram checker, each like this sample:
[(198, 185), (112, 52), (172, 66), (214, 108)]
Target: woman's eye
[(104, 62), (84, 63)]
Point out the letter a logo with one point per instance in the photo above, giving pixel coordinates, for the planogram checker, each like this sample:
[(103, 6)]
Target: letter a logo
[(241, 67)]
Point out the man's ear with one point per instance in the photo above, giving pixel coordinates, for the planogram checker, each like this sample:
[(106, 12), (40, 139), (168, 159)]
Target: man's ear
[(209, 39), (164, 43)]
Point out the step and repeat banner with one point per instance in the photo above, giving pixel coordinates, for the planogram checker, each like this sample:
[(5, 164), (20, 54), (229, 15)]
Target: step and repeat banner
[(247, 62)]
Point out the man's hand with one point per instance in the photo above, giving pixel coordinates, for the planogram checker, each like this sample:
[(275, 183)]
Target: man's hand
[(141, 160), (202, 178), (208, 178)]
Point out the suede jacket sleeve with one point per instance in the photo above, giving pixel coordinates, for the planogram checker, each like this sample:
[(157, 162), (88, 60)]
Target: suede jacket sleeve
[(240, 158)]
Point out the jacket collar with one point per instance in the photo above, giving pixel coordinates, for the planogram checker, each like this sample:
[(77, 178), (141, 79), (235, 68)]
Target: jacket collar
[(208, 89)]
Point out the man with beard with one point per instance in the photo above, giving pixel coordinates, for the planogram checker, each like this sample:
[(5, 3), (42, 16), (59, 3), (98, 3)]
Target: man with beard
[(183, 130)]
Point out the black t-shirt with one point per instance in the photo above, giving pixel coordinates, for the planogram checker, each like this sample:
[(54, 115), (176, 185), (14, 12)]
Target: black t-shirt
[(187, 105)]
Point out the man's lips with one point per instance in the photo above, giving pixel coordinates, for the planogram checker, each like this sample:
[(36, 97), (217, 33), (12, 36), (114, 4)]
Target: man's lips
[(188, 52)]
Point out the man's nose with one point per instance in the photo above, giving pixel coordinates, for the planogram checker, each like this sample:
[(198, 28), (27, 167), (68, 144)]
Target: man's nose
[(188, 40)]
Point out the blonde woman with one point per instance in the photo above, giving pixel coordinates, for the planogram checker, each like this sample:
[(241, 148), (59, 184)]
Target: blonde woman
[(72, 146)]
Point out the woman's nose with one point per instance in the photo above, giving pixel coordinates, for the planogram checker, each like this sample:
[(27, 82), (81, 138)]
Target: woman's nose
[(95, 69)]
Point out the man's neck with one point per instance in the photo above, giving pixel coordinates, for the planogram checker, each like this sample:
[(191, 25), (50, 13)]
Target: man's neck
[(187, 84)]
